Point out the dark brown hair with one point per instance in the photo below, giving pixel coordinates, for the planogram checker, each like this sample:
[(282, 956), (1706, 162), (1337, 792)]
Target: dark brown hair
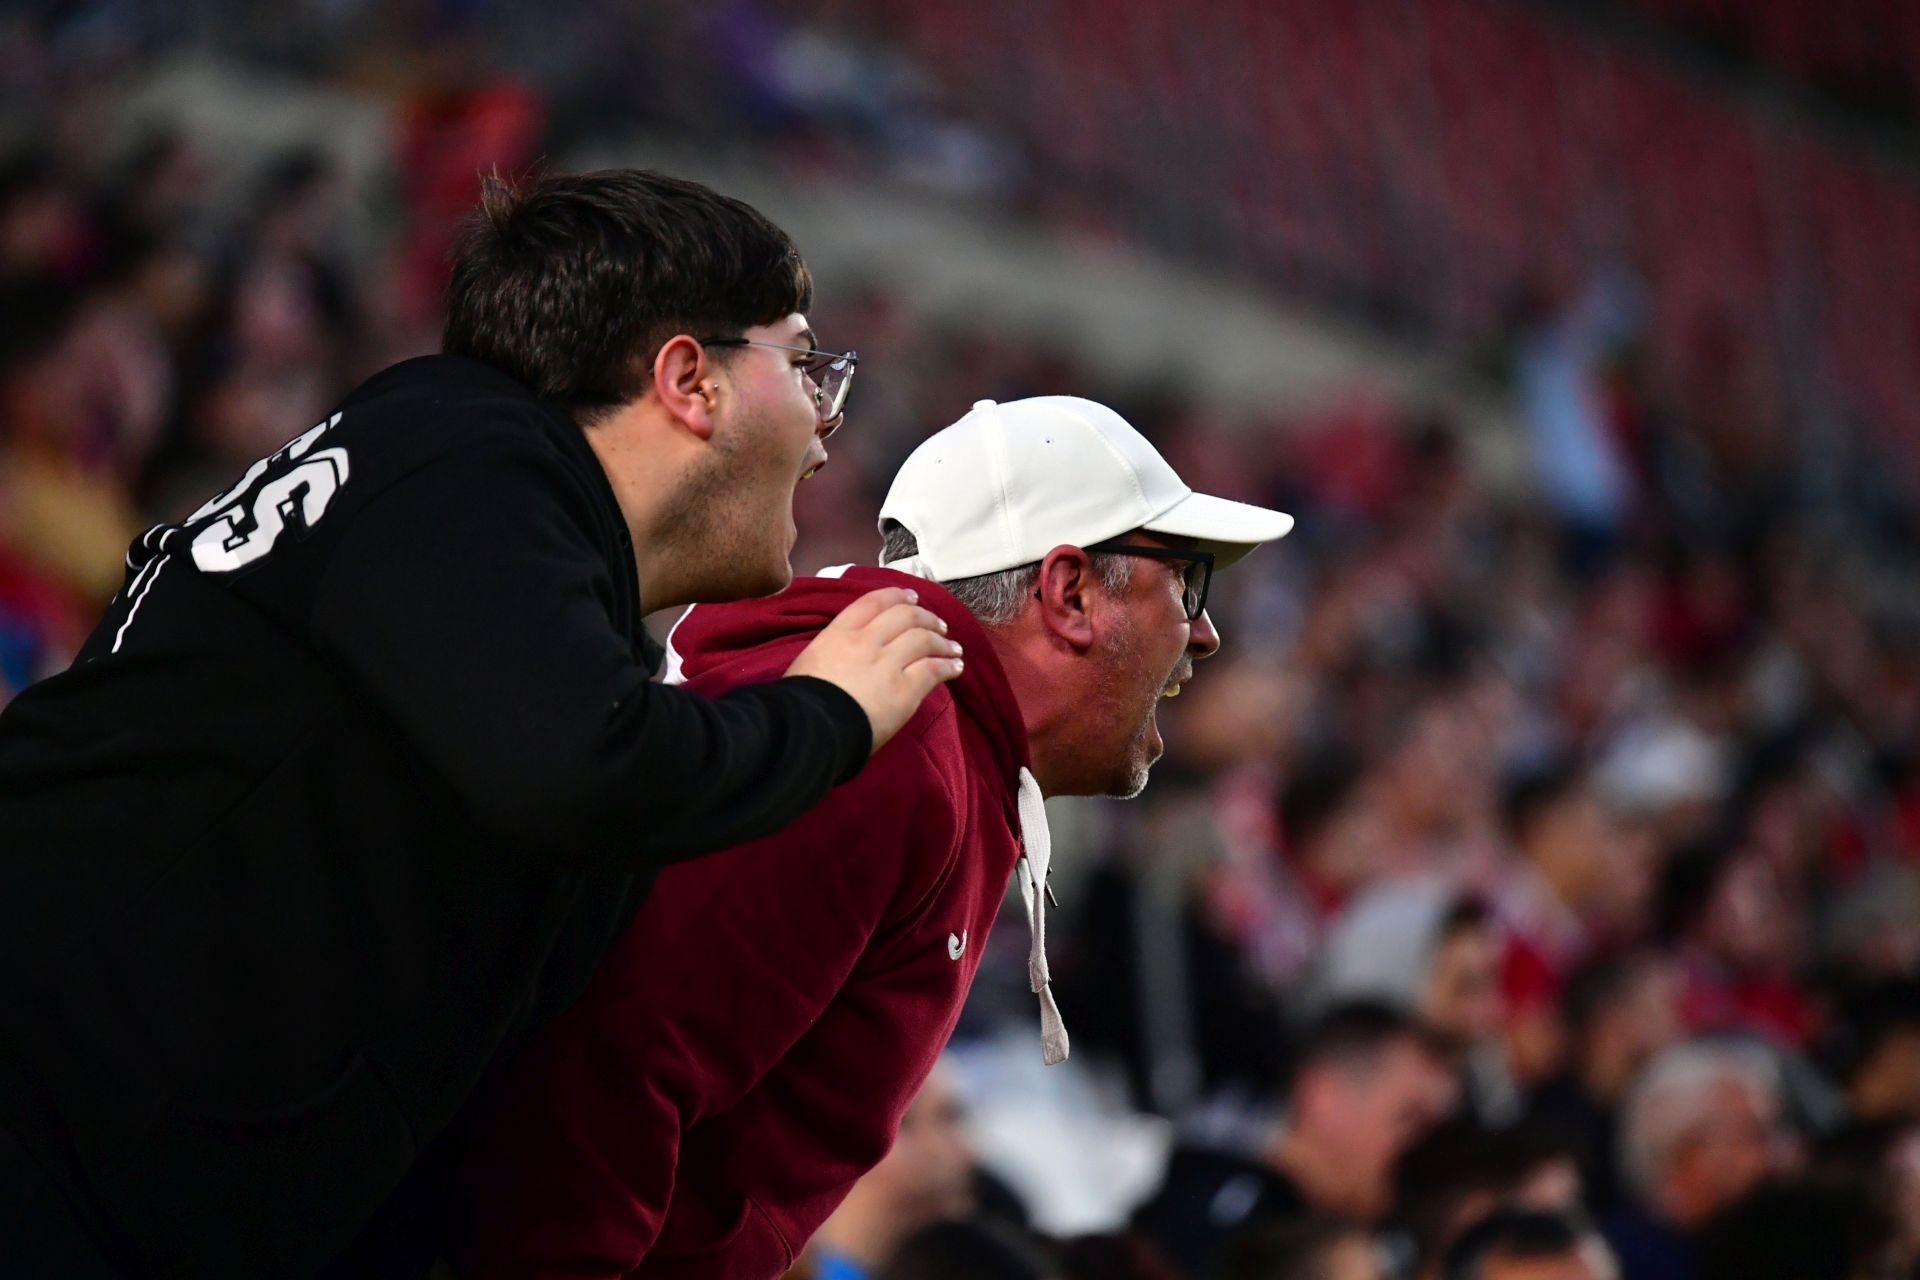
[(1356, 1035), (571, 282)]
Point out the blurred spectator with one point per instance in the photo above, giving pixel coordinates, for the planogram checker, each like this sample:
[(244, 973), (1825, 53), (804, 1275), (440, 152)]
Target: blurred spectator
[(1431, 951), (1620, 1012), (927, 1176), (1880, 1063), (1329, 832), (290, 316), (1367, 1082), (1740, 939), (1309, 1248), (1584, 882), (1462, 1172), (1700, 1127), (1580, 464), (71, 430), (1530, 1244)]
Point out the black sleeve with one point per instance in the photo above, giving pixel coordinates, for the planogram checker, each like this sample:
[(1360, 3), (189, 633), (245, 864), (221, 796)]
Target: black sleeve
[(469, 601)]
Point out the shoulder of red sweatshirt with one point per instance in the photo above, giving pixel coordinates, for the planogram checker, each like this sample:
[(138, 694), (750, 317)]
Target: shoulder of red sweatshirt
[(716, 647), (748, 1047)]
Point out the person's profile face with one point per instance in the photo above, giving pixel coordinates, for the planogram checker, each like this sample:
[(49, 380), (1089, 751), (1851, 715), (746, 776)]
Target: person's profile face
[(767, 439), (1146, 648), (1379, 1113), (1730, 1149), (930, 1168)]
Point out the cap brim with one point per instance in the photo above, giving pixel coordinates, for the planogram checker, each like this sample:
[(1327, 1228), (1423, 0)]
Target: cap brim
[(1228, 529)]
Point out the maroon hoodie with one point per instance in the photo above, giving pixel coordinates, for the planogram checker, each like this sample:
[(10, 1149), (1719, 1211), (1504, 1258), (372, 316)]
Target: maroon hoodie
[(747, 1049)]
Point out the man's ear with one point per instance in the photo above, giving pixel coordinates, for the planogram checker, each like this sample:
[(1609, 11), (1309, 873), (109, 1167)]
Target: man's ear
[(1065, 588), (687, 385)]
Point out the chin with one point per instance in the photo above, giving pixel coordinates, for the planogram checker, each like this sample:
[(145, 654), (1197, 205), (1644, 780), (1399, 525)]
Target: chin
[(1130, 784)]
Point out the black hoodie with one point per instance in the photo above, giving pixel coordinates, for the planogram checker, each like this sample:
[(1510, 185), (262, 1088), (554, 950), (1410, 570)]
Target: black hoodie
[(359, 776)]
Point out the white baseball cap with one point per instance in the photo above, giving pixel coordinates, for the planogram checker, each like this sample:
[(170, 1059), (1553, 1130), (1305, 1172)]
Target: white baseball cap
[(1010, 482)]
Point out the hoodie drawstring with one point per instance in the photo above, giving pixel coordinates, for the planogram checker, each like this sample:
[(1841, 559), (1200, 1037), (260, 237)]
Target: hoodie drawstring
[(1036, 861)]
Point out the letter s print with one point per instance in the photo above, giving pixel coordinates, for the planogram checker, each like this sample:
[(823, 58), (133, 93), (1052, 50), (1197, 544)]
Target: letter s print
[(250, 527)]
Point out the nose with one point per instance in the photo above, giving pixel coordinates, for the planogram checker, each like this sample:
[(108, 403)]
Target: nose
[(1203, 641)]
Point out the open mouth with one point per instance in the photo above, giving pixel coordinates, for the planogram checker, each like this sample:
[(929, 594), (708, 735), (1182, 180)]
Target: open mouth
[(1177, 680)]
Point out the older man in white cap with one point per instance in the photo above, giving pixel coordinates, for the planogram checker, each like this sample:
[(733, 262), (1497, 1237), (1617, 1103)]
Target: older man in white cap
[(747, 1050)]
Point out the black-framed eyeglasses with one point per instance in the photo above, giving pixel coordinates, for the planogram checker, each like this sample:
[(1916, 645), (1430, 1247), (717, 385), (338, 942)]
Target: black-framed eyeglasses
[(831, 374), (1197, 578)]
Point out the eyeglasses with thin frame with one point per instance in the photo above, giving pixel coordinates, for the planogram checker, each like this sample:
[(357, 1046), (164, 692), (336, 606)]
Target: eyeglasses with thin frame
[(1197, 578), (831, 374)]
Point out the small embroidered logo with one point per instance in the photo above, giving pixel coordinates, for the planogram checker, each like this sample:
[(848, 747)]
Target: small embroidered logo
[(956, 944)]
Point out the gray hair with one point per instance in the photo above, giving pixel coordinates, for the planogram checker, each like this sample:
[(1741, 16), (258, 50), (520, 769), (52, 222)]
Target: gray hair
[(1665, 1105), (996, 599)]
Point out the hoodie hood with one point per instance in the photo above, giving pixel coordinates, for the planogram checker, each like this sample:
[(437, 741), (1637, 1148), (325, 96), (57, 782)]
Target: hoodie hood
[(758, 639)]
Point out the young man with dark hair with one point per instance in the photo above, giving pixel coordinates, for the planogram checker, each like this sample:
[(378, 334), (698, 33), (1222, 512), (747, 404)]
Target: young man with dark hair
[(1367, 1082), (706, 1128), (363, 769)]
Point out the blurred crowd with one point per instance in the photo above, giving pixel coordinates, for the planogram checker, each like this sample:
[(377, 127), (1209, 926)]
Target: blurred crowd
[(1532, 887), (1535, 877)]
